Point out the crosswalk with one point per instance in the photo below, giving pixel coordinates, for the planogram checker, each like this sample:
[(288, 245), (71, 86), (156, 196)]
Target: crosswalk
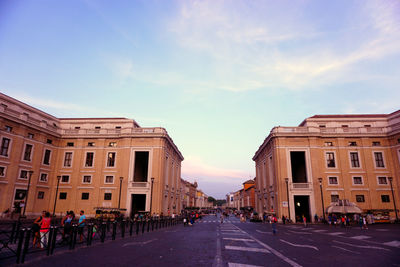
[(217, 221)]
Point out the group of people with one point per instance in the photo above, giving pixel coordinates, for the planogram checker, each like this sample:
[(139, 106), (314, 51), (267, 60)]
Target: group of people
[(41, 227)]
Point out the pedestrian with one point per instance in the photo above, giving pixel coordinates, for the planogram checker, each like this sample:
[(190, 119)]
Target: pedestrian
[(274, 220), (360, 222), (81, 225), (365, 223), (283, 219), (329, 220), (44, 229), (66, 223), (305, 221), (36, 230)]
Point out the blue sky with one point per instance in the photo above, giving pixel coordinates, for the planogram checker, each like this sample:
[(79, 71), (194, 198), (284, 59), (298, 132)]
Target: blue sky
[(218, 75)]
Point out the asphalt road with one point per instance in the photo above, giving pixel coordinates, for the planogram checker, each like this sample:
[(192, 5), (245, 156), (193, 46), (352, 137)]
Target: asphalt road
[(210, 243)]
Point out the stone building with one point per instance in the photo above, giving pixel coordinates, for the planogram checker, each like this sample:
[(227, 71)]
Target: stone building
[(351, 157), (92, 162)]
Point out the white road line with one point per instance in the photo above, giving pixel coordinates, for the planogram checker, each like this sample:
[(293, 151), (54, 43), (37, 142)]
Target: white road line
[(218, 257), (238, 239), (318, 231), (263, 232), (360, 237), (348, 250), (247, 249), (301, 233), (336, 233), (138, 243), (394, 243), (231, 264), (299, 245), (273, 251), (358, 246)]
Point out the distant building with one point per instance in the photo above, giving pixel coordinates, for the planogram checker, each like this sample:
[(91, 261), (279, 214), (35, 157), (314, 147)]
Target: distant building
[(243, 198), (356, 157), (94, 159)]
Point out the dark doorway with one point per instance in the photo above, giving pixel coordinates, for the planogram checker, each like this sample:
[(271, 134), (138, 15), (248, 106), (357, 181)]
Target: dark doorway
[(302, 207), (298, 163), (138, 203), (141, 166)]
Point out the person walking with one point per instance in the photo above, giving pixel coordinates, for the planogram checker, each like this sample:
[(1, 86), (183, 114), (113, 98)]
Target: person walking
[(364, 223), (81, 225), (274, 221), (36, 230), (305, 221), (44, 230)]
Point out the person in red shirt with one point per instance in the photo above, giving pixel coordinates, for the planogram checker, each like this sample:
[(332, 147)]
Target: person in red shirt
[(44, 230)]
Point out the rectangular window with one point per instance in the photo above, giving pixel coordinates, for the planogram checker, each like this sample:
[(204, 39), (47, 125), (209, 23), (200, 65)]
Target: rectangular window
[(352, 143), (328, 144), (87, 179), (333, 180), (43, 177), (357, 180), (355, 162), (141, 166), (70, 144), (5, 144), (23, 174), (385, 198), (107, 196), (68, 159), (77, 127), (111, 159), (97, 127), (112, 144), (63, 195), (89, 159), (360, 198), (334, 198), (379, 160), (28, 152), (2, 171), (90, 144), (382, 180), (376, 143), (65, 179), (85, 196), (40, 195), (8, 129), (330, 160), (46, 159), (49, 141), (109, 179), (30, 135)]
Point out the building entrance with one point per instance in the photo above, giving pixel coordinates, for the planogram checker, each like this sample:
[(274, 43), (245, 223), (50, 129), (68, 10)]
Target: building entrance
[(302, 208), (138, 203)]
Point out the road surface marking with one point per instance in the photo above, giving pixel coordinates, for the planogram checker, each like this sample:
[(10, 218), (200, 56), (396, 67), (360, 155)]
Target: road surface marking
[(336, 233), (273, 251), (231, 264), (218, 258), (299, 245), (263, 232), (394, 243), (302, 233), (238, 239), (358, 246), (138, 243), (348, 250), (318, 231), (360, 237), (247, 249)]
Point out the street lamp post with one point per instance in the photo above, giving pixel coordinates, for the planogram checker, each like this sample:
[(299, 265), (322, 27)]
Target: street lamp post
[(151, 196), (394, 201), (120, 188), (55, 199), (287, 193), (322, 197), (27, 192)]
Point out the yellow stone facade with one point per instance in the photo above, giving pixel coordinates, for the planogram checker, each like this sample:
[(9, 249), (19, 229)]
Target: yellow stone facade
[(355, 155), (95, 159)]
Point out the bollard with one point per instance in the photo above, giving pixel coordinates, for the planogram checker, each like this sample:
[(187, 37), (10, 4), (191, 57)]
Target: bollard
[(49, 238), (26, 245), (143, 225), (17, 230), (108, 225), (19, 248), (75, 234), (114, 230), (123, 228), (137, 227), (130, 227), (152, 224), (148, 226), (103, 231), (14, 226), (53, 240), (71, 237), (89, 233)]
